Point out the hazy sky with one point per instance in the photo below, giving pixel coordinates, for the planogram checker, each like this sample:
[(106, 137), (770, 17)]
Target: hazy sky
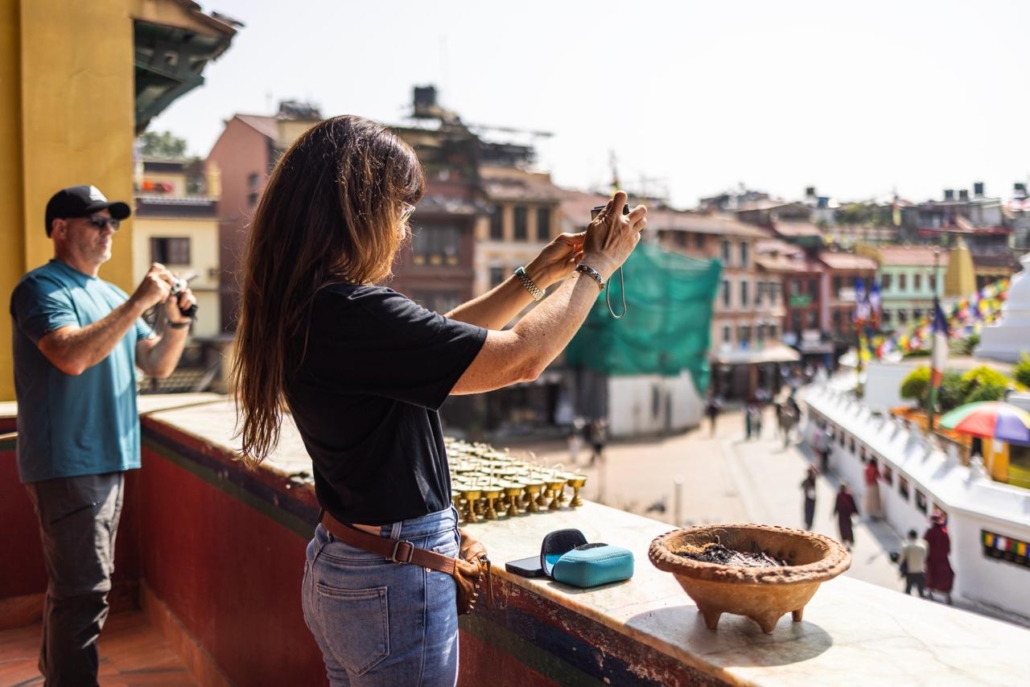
[(855, 98)]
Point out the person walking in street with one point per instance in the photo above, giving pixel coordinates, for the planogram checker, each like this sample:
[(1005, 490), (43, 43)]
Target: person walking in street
[(823, 445), (362, 371), (712, 410), (576, 439), (845, 509), (753, 419), (939, 575), (597, 435), (808, 489), (77, 341), (911, 564), (871, 496)]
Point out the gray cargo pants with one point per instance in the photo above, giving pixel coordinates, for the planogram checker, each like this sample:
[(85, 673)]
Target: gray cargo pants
[(78, 520)]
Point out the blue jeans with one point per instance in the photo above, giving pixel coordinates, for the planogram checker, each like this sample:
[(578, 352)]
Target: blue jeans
[(380, 623)]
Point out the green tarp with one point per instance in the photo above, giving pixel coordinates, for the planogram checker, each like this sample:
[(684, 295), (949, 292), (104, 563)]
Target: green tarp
[(667, 327)]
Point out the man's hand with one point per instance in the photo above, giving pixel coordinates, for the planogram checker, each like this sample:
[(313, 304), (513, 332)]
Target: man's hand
[(176, 306), (155, 287)]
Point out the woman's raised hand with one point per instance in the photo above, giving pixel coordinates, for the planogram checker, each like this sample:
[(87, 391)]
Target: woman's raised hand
[(557, 260), (612, 236)]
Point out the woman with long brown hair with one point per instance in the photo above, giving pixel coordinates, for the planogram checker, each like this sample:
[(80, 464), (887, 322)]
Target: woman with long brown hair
[(363, 371)]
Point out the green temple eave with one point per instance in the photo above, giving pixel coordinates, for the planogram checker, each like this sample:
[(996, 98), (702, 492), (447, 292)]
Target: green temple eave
[(170, 57)]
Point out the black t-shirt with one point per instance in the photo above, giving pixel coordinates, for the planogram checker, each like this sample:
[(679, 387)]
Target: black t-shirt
[(376, 370)]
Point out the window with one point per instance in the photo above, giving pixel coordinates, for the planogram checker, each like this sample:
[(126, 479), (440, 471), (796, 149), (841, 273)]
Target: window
[(170, 251), (774, 292), (836, 321), (521, 231), (743, 254), (436, 245), (813, 288), (496, 224), (727, 335), (921, 503), (885, 316), (760, 333), (917, 314), (699, 240), (759, 292), (725, 293), (795, 287), (543, 224), (725, 253), (772, 332), (902, 317), (885, 282), (744, 335), (888, 475), (744, 295), (917, 282), (902, 282), (903, 488), (496, 276), (795, 321), (837, 286), (813, 319), (933, 283), (253, 179)]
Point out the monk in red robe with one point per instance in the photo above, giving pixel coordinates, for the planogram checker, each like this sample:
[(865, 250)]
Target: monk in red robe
[(939, 575), (845, 509)]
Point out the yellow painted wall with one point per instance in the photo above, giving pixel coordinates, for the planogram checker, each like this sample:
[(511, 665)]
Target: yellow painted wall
[(12, 236), (203, 236), (66, 117)]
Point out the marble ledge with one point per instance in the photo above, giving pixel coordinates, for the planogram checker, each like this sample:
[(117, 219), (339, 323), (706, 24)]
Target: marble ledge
[(852, 633)]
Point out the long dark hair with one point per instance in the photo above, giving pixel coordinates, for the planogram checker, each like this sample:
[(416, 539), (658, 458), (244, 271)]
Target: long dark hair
[(330, 213)]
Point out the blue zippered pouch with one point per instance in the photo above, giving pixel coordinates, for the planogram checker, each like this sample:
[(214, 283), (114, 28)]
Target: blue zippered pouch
[(566, 557)]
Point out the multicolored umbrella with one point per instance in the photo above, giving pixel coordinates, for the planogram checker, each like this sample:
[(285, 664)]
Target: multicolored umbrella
[(991, 420)]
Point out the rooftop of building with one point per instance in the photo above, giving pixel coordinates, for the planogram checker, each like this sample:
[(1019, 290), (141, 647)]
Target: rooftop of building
[(796, 229), (847, 261), (914, 256), (698, 223)]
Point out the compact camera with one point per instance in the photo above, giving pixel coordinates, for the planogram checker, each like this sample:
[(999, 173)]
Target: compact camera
[(597, 210), (178, 286)]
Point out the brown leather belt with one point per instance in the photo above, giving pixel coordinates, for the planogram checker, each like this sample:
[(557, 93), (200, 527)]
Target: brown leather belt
[(396, 550)]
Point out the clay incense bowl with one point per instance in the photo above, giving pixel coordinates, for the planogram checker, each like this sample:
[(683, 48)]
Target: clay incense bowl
[(762, 594)]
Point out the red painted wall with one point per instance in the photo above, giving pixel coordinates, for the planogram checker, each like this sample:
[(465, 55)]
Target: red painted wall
[(21, 563), (230, 574)]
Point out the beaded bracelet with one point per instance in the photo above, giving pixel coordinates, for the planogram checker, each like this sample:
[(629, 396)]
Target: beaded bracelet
[(596, 276)]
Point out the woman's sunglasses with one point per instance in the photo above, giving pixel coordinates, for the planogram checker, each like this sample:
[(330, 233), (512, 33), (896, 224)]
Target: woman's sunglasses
[(99, 222)]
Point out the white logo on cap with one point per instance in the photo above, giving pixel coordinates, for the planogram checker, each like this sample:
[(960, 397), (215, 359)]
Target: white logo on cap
[(96, 196)]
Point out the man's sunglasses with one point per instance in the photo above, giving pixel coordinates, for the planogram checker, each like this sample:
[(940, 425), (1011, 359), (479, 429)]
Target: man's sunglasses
[(99, 222)]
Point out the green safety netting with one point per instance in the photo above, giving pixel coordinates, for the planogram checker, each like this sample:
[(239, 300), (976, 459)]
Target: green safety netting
[(667, 327)]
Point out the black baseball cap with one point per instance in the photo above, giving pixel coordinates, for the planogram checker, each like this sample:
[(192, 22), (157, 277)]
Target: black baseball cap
[(81, 201)]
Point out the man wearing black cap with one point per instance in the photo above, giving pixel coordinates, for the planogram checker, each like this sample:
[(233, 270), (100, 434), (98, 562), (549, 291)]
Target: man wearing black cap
[(77, 340)]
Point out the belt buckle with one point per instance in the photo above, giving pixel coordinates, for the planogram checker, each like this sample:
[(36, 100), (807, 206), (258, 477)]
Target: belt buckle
[(396, 546)]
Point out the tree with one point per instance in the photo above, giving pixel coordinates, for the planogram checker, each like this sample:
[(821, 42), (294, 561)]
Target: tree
[(951, 394), (163, 145), (980, 378), (916, 385), (1022, 371)]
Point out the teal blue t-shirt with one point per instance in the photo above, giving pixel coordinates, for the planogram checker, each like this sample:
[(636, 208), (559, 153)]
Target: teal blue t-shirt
[(72, 425)]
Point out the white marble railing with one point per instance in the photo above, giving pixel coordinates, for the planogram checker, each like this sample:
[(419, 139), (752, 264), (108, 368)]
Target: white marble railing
[(935, 478)]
